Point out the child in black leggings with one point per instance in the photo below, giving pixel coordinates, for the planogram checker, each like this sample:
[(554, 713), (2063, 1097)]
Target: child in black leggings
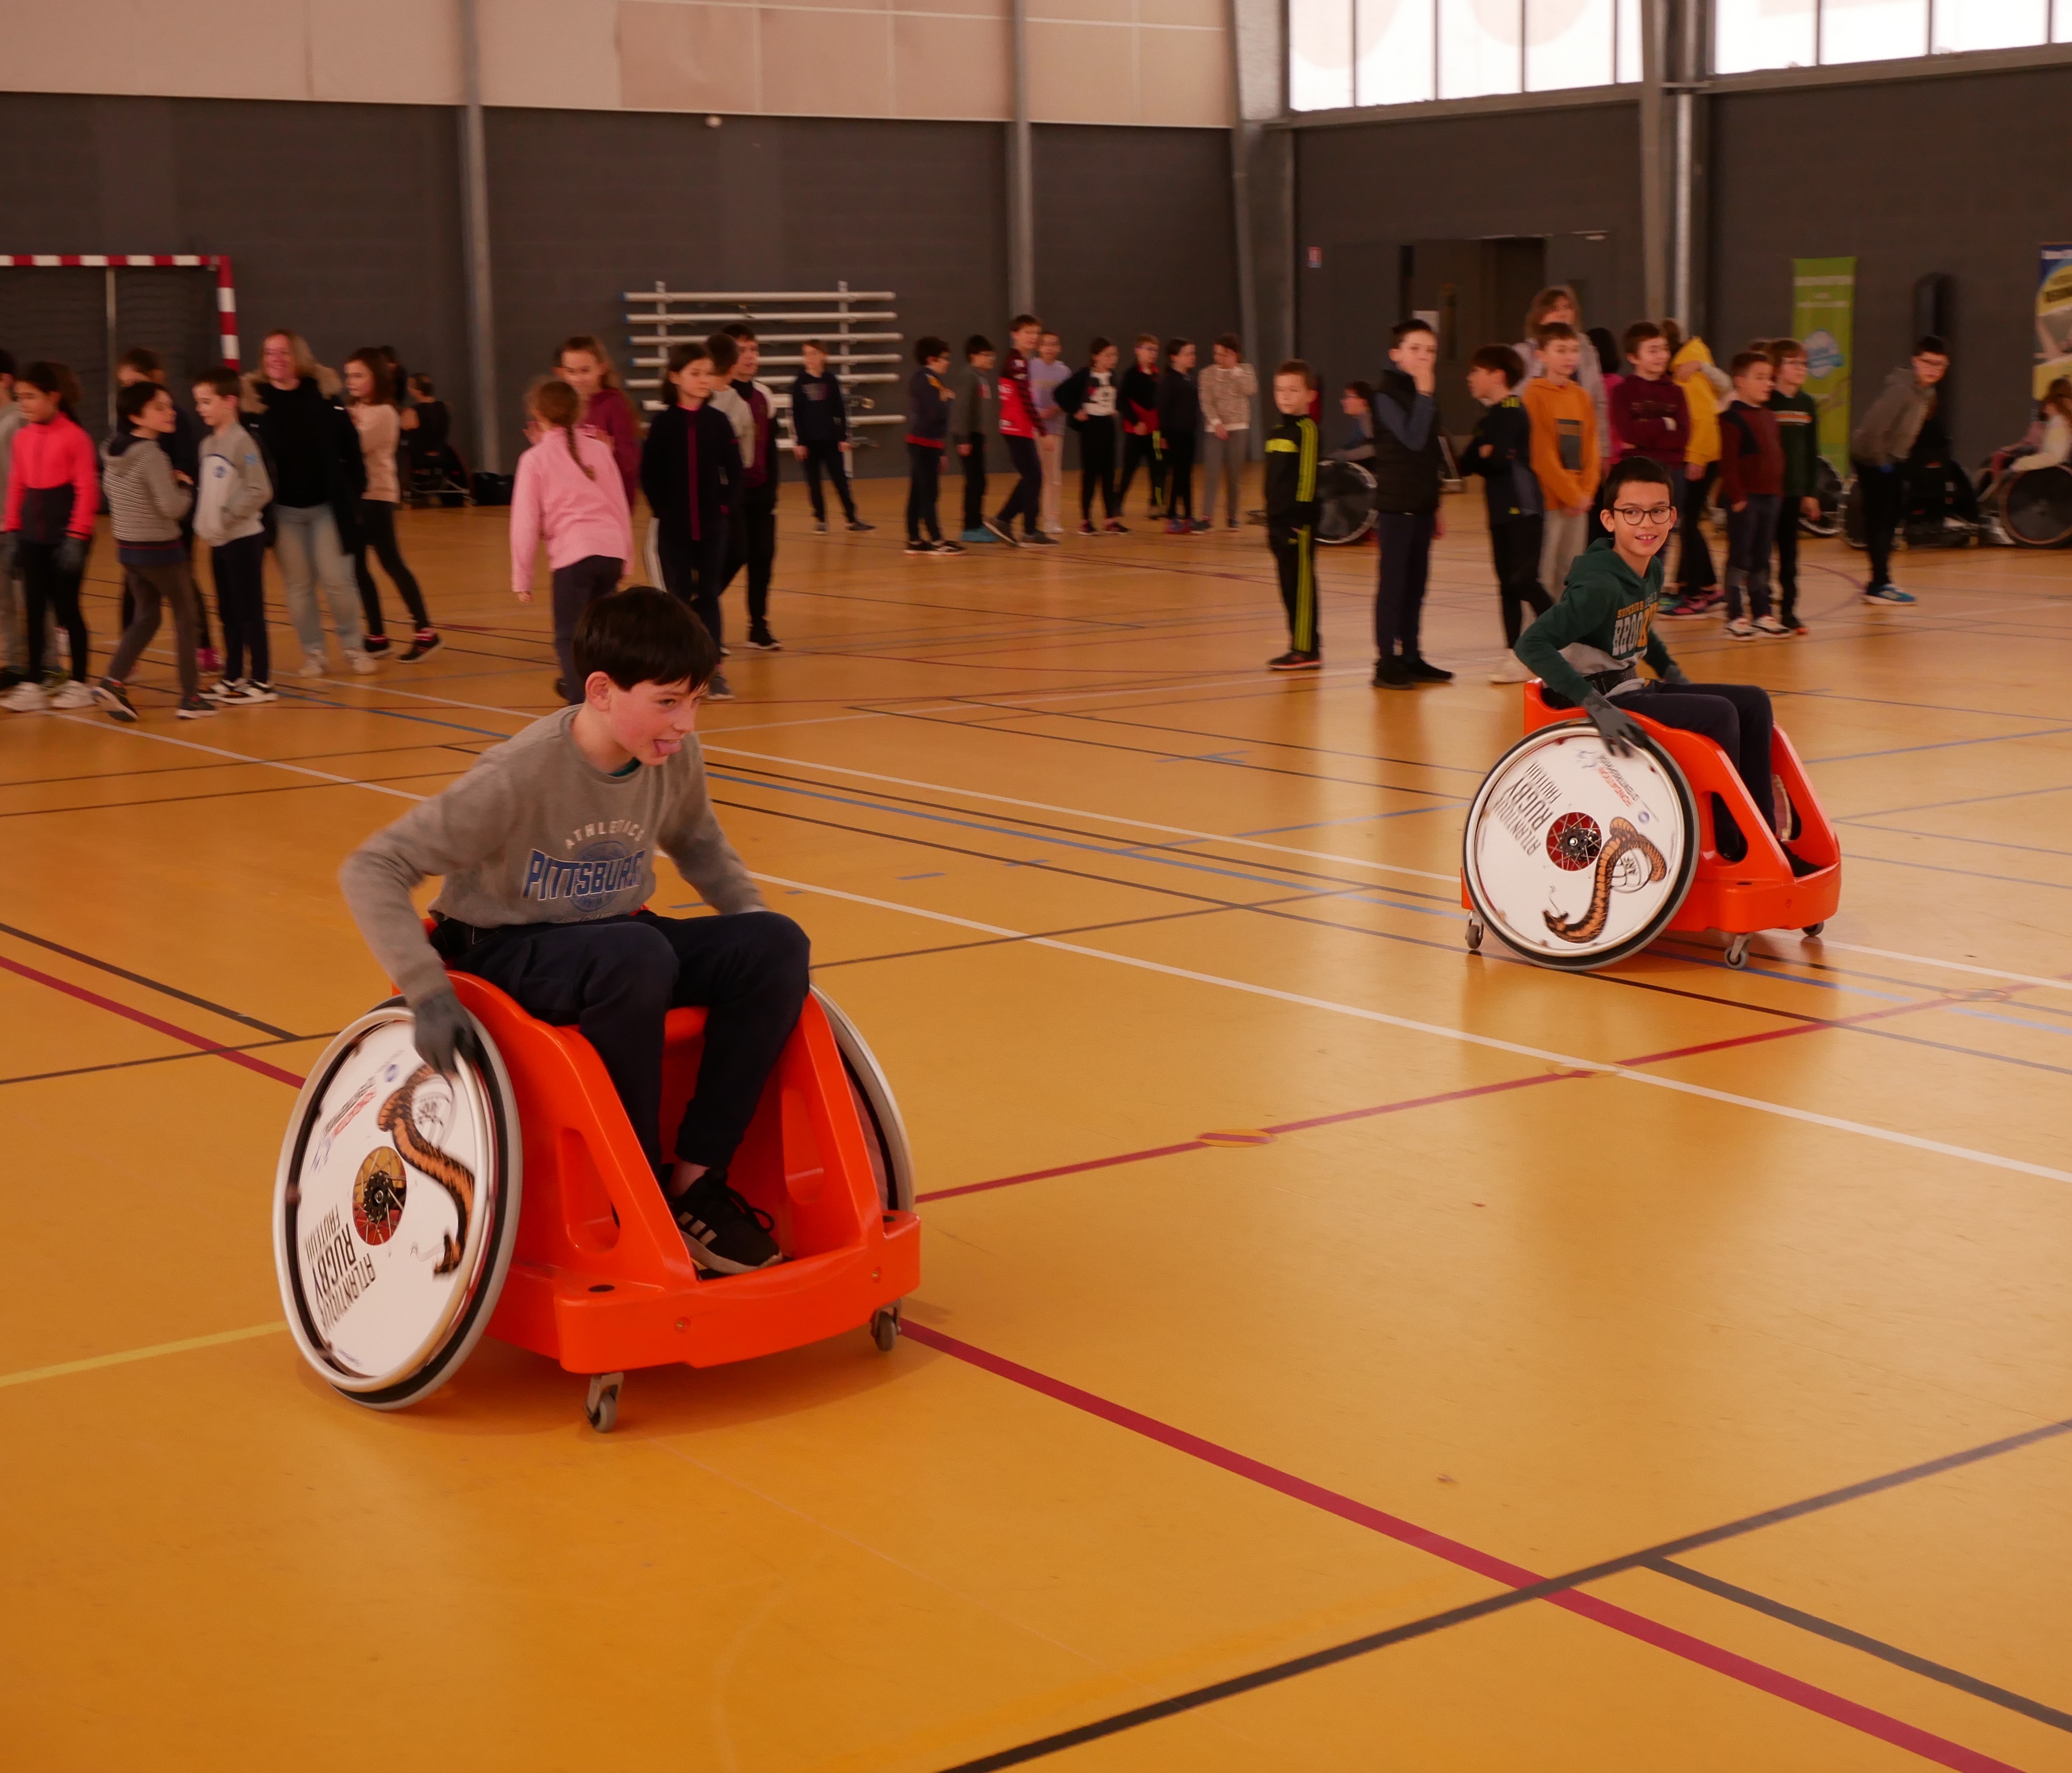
[(48, 529), (371, 402), (1088, 400)]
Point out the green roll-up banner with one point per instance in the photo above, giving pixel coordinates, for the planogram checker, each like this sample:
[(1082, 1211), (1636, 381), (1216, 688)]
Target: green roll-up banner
[(1823, 305)]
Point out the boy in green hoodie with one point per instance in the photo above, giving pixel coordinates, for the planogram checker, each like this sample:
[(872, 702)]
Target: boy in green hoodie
[(1583, 649)]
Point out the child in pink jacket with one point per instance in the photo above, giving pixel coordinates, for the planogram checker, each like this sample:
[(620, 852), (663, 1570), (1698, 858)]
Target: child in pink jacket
[(568, 493)]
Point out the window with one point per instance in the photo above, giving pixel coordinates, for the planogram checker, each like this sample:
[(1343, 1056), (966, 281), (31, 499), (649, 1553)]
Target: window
[(1752, 33), (1404, 51)]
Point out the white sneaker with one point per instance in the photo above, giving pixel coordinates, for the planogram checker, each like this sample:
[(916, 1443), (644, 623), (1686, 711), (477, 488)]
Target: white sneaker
[(1770, 624), (1741, 628), (225, 691), (27, 698), (313, 665), (1511, 671), (75, 694), (361, 662)]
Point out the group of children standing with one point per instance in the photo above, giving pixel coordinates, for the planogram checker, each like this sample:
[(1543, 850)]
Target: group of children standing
[(1557, 416), (290, 452), (1160, 415)]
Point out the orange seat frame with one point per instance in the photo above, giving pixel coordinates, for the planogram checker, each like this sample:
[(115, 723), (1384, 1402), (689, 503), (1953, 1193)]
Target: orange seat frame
[(1759, 892), (599, 1278)]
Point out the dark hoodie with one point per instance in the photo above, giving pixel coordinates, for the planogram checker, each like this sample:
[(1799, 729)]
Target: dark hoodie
[(1605, 621), (1407, 464), (1502, 453)]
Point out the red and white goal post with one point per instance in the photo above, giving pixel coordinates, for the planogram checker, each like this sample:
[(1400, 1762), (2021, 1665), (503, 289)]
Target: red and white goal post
[(226, 285)]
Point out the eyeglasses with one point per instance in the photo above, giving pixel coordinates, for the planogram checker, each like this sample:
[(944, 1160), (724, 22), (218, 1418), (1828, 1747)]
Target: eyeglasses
[(1633, 516)]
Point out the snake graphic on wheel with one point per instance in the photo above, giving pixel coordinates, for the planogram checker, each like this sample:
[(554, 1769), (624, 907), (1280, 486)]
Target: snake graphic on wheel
[(1624, 851), (397, 1120)]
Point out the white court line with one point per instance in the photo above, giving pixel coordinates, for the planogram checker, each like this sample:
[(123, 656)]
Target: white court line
[(1084, 812), (29, 1374), (1952, 966), (1608, 1068), (236, 757)]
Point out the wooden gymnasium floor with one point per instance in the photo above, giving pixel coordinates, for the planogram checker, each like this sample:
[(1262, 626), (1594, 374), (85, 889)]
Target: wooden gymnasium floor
[(1299, 1380)]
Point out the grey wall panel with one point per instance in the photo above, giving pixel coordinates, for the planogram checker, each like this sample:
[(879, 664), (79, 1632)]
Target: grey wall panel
[(1912, 179), (1135, 232), (342, 219), (1364, 191), (586, 205)]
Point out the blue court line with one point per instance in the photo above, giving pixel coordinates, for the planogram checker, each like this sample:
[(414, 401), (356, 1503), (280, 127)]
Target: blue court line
[(1108, 851), (315, 700), (1971, 874), (1951, 836), (1322, 825), (1968, 800), (1940, 745)]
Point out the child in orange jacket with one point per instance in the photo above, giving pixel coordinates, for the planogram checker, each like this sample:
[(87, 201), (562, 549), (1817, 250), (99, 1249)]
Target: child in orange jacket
[(1567, 453)]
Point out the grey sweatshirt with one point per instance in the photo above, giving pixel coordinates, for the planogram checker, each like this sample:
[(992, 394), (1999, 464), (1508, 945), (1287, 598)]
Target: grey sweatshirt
[(977, 411), (1895, 421), (233, 488), (536, 833), (144, 502), (1227, 396), (725, 401)]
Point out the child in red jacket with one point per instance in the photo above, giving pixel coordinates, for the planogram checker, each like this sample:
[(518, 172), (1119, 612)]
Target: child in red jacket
[(52, 492), (1751, 487)]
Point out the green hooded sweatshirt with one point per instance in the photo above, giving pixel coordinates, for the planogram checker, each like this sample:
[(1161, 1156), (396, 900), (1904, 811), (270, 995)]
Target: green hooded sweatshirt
[(1605, 621)]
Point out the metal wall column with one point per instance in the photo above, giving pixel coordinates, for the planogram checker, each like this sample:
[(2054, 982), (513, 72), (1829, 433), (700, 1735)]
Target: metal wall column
[(475, 207), (1655, 225), (1021, 180)]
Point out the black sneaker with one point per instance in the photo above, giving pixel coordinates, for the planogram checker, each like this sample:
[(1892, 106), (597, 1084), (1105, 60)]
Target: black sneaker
[(1115, 527), (424, 640), (1036, 538), (1424, 671), (374, 643), (722, 1231), (1800, 866), (999, 531), (717, 688), (859, 526), (762, 640), (192, 708), (1393, 674), (951, 548), (820, 527), (923, 548), (1293, 660), (1088, 529), (111, 695)]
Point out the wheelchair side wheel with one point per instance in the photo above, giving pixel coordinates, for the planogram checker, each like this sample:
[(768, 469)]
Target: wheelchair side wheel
[(1737, 951), (602, 1405), (1815, 929), (885, 1327), (1476, 927)]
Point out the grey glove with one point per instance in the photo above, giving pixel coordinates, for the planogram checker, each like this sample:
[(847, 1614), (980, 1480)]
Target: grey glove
[(1620, 731), (1675, 676), (441, 1022), (71, 556)]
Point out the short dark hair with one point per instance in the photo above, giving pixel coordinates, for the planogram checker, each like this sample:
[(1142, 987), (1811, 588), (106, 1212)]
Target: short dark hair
[(421, 383), (1295, 366), (1021, 320), (1175, 347), (222, 381), (1638, 334), (1502, 358), (1635, 471), (1403, 329), (723, 351), (1096, 345), (814, 344), (928, 346), (1743, 361), (143, 359), (133, 398), (1781, 350), (976, 343), (1548, 331), (740, 330), (643, 635), (1931, 344), (54, 379), (1231, 343)]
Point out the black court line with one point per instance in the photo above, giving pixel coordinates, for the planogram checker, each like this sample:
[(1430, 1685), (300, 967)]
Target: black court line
[(163, 1059), (1857, 1640), (1274, 1673), (149, 983)]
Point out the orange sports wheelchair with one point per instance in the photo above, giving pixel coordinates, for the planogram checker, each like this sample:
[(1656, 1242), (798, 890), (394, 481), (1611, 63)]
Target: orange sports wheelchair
[(413, 1212), (1576, 857)]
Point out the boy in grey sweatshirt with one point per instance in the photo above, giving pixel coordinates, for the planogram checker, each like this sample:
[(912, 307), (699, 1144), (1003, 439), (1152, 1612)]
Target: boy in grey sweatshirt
[(229, 508), (547, 847), (146, 503)]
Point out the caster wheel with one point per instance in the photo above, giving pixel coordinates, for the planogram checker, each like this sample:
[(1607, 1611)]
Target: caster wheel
[(1815, 929), (885, 1328), (602, 1405), (1475, 929), (1737, 952)]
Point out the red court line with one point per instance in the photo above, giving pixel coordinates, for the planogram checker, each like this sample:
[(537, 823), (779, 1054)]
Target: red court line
[(149, 1020), (1736, 1667)]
